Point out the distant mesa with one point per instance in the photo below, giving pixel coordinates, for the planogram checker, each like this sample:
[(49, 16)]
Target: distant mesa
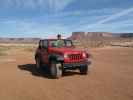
[(74, 36), (19, 40), (80, 35)]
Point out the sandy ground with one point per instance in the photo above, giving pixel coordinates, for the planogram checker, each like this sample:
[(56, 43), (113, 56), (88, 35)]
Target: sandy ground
[(111, 78)]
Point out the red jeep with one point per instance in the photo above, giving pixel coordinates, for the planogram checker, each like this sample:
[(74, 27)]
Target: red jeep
[(60, 58)]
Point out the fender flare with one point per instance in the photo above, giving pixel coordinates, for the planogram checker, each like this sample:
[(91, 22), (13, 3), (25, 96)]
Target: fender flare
[(57, 58)]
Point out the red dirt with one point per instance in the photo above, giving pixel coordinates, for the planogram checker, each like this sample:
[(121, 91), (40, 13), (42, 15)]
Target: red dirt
[(111, 78)]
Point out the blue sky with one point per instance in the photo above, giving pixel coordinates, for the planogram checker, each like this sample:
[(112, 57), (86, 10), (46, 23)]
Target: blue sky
[(45, 18)]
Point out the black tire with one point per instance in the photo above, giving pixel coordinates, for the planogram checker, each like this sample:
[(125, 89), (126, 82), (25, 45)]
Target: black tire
[(38, 63), (84, 69), (56, 70)]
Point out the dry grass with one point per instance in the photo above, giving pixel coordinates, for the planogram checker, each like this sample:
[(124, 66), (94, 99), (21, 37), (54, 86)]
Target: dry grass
[(29, 48), (95, 43), (3, 50), (7, 49), (81, 44)]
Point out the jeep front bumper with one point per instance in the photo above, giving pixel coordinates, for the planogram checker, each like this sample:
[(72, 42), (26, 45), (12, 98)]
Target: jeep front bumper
[(75, 65)]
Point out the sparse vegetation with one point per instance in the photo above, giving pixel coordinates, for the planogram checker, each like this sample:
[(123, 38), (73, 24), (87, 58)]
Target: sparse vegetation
[(94, 43), (29, 48), (3, 50)]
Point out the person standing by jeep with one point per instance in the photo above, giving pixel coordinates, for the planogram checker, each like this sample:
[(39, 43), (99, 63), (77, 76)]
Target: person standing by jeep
[(59, 42)]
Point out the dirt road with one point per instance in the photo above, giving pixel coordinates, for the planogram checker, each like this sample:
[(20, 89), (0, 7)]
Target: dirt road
[(111, 78)]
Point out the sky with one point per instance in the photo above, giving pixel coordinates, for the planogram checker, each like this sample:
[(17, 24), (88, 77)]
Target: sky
[(46, 18)]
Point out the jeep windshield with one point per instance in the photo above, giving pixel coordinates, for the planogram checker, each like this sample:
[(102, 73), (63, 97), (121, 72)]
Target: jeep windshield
[(60, 43)]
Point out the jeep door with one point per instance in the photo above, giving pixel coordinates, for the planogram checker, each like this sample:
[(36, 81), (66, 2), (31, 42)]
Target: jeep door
[(44, 51)]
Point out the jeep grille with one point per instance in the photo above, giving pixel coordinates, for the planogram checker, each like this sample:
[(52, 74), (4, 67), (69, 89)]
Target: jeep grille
[(75, 57)]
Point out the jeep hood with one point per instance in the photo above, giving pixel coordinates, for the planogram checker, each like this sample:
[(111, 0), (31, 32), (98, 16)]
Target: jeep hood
[(65, 50)]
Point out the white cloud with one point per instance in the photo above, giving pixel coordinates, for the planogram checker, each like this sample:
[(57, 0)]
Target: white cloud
[(31, 29), (52, 5), (112, 17), (117, 15), (117, 26), (58, 5)]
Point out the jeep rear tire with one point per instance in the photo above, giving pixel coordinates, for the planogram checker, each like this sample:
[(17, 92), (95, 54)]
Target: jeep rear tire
[(38, 63), (56, 70), (83, 69)]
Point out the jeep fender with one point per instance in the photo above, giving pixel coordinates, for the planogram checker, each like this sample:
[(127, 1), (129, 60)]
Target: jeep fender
[(37, 55), (57, 58)]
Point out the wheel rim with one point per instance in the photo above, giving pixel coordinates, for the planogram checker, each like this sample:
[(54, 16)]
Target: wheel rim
[(59, 70), (55, 70), (37, 63)]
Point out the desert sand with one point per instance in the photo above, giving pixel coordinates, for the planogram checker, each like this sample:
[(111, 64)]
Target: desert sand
[(110, 78)]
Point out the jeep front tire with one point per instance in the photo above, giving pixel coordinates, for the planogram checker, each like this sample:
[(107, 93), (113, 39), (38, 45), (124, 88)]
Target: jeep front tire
[(56, 69), (38, 63), (83, 69)]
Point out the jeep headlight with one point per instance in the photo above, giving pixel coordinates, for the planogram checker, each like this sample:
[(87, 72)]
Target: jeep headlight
[(84, 55), (65, 55)]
